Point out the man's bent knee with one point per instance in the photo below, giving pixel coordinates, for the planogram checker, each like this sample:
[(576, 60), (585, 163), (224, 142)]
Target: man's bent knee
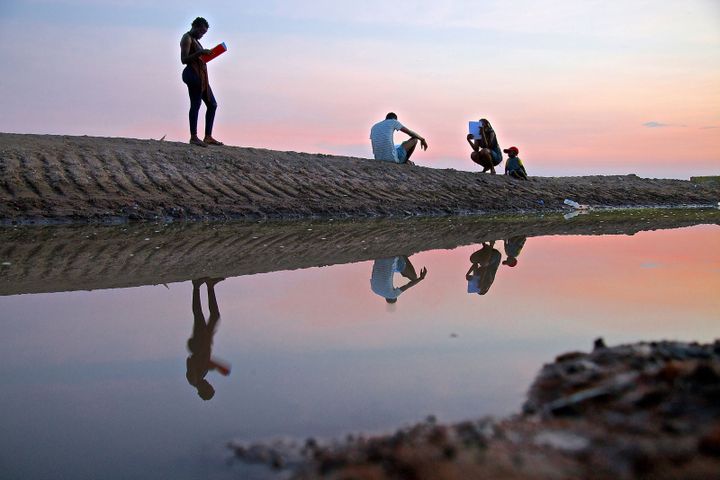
[(410, 144)]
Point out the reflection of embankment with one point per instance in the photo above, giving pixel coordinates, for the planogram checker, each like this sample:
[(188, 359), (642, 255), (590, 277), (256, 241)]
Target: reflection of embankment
[(50, 259), (46, 178)]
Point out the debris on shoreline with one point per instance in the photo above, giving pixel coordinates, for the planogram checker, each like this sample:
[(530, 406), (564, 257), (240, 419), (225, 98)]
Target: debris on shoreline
[(646, 410)]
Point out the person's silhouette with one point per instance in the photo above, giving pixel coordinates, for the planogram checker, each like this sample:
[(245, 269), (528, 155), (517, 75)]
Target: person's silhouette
[(513, 247), (384, 269), (485, 264), (200, 344)]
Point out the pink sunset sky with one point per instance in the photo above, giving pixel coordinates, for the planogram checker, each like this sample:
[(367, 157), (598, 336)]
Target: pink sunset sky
[(580, 87)]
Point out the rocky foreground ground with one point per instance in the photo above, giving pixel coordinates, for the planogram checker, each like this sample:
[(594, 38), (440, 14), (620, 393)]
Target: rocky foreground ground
[(51, 179), (647, 410)]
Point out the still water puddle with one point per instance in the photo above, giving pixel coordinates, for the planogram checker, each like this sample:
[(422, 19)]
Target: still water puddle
[(108, 383)]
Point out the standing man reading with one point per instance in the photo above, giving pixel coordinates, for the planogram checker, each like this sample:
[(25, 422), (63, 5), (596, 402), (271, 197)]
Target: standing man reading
[(381, 137), (195, 76)]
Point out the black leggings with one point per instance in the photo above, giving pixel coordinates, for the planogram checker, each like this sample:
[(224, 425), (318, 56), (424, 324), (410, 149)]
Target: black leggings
[(194, 84)]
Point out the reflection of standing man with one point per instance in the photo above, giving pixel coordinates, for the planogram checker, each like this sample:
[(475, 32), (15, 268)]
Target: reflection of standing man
[(200, 344), (485, 264), (513, 247), (384, 269)]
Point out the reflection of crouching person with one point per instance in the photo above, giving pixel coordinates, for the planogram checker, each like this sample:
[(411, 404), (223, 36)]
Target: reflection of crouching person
[(514, 166), (485, 264)]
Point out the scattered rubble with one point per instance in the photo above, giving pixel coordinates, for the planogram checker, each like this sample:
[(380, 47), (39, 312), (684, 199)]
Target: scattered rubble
[(647, 410)]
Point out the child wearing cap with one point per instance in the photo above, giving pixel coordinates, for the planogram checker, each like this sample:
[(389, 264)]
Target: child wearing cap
[(514, 166)]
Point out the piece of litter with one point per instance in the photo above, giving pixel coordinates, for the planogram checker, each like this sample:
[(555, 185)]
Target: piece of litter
[(575, 204), (560, 440), (572, 214), (6, 264)]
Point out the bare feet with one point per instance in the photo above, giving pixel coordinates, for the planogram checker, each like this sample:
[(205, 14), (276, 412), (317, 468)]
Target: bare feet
[(196, 141), (211, 141)]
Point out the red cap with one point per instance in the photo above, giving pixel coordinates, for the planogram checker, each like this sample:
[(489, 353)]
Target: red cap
[(512, 150)]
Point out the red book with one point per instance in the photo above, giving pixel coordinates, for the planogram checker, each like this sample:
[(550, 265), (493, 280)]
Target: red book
[(219, 49)]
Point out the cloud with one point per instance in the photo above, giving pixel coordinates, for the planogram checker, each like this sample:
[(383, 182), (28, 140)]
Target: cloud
[(709, 127), (655, 125)]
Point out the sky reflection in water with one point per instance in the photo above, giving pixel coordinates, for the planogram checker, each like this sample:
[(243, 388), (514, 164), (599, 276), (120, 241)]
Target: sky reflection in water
[(95, 382)]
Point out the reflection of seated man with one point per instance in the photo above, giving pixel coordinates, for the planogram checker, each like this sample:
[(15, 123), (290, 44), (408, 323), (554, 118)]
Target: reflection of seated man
[(381, 281), (513, 247), (200, 344), (485, 264)]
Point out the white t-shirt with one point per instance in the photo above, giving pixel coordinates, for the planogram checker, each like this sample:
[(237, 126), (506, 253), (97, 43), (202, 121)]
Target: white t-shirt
[(381, 137), (381, 280)]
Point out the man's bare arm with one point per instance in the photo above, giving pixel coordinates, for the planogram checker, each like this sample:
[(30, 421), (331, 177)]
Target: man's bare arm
[(411, 283), (185, 55), (412, 134)]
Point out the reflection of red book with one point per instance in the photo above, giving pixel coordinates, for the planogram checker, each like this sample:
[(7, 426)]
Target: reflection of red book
[(222, 367), (221, 48)]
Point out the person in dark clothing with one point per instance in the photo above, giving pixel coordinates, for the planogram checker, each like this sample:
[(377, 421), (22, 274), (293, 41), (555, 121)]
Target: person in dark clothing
[(513, 247), (514, 166), (195, 76), (200, 361), (486, 150), (485, 264)]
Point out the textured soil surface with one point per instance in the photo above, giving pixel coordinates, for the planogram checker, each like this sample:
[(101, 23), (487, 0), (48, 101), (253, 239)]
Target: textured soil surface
[(35, 259), (641, 411), (48, 179)]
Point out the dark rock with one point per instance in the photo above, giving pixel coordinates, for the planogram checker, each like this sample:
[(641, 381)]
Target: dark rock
[(710, 443)]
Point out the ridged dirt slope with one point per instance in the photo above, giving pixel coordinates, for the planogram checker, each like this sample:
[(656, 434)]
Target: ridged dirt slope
[(63, 178)]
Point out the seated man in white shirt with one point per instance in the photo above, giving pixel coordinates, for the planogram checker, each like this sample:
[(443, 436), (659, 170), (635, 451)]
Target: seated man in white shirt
[(381, 137)]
